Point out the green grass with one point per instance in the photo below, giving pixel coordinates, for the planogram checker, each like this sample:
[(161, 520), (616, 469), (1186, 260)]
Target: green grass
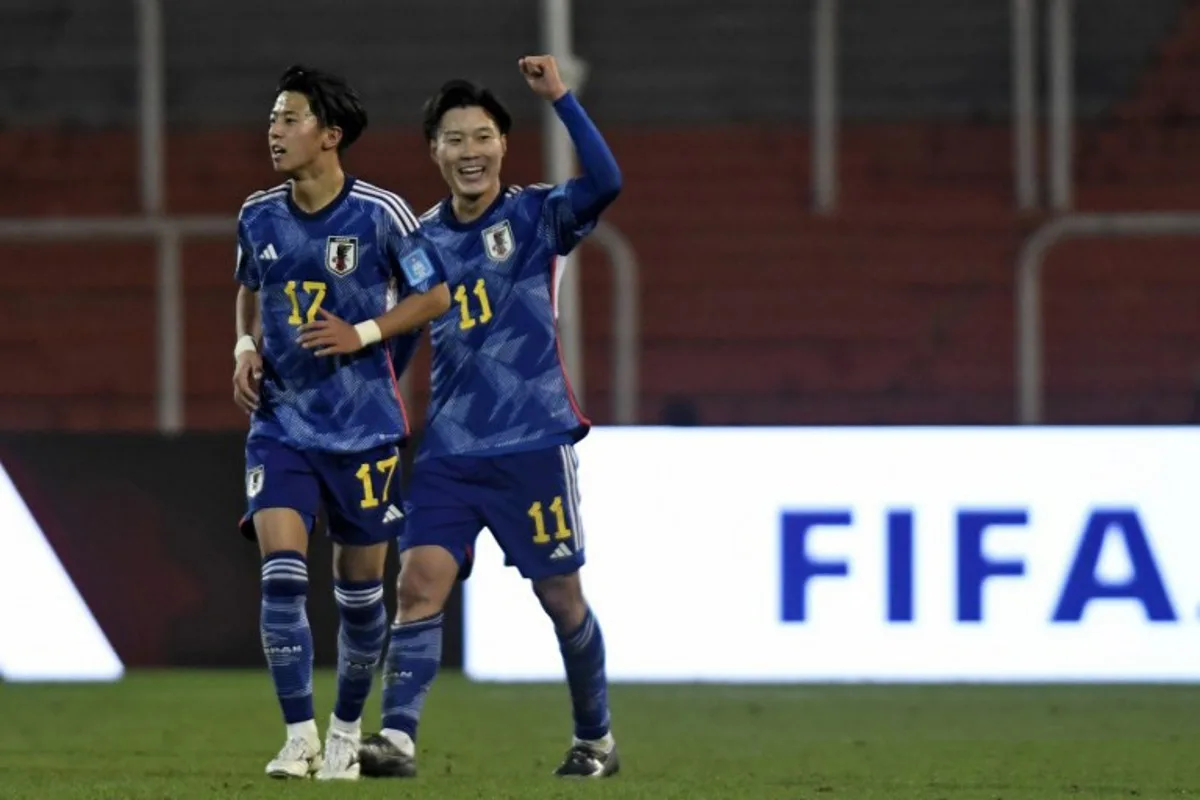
[(184, 735)]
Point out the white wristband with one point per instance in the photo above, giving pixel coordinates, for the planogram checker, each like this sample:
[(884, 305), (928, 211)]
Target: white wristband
[(368, 332), (245, 344)]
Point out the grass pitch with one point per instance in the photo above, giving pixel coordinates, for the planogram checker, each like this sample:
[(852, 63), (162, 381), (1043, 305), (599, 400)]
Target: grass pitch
[(183, 735)]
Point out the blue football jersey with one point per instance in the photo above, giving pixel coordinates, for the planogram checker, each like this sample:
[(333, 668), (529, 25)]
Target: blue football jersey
[(498, 382), (356, 257)]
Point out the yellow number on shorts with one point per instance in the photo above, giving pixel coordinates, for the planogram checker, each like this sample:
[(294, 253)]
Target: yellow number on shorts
[(388, 466), (464, 305), (538, 516), (314, 288)]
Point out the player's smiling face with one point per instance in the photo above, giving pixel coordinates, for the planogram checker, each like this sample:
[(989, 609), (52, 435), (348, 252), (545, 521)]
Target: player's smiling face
[(295, 135), (469, 150)]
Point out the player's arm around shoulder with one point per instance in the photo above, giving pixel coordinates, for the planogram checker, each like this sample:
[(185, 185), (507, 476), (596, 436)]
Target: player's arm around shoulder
[(429, 299), (421, 269)]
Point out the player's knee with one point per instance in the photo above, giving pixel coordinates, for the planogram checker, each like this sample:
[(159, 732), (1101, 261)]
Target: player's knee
[(426, 578), (280, 529), (562, 598), (359, 563), (412, 593)]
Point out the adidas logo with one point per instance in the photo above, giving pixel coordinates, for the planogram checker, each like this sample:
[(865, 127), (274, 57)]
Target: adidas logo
[(562, 551), (392, 514), (268, 253)]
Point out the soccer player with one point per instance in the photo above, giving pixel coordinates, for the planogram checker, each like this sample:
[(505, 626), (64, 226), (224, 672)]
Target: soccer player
[(502, 421), (326, 419)]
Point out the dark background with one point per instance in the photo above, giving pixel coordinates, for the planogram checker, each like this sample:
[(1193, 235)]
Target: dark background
[(146, 526)]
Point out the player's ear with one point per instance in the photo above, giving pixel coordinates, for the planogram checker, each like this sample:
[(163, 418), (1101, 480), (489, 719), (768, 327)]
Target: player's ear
[(433, 150), (503, 144), (331, 137)]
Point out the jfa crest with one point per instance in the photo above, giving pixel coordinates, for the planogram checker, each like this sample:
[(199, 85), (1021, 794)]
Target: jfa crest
[(498, 241), (341, 254), (254, 480)]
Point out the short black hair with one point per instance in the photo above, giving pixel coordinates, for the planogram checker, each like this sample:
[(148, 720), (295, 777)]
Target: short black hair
[(460, 93), (333, 101)]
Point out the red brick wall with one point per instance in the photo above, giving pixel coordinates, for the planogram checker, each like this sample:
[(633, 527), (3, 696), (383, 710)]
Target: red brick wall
[(897, 310)]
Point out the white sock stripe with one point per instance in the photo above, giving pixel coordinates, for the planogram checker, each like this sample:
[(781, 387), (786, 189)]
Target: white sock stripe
[(290, 563), (286, 572), (358, 600), (585, 633), (288, 568), (286, 560), (369, 590), (367, 604)]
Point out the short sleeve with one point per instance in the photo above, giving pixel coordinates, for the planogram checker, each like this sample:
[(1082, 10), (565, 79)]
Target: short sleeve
[(414, 259), (246, 266), (558, 214)]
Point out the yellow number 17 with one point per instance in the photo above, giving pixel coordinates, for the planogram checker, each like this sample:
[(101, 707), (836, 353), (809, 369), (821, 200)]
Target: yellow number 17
[(314, 288), (385, 467)]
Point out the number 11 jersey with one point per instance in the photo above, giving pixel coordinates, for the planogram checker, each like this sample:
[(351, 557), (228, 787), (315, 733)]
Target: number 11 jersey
[(498, 382)]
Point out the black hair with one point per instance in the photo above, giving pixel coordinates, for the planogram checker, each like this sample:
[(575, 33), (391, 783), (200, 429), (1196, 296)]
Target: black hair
[(460, 93), (333, 101)]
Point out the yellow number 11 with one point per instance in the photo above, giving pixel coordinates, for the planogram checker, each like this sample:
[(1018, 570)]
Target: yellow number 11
[(464, 305), (539, 521)]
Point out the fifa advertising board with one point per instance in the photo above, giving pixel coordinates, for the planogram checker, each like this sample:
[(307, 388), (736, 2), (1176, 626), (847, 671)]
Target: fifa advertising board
[(869, 554)]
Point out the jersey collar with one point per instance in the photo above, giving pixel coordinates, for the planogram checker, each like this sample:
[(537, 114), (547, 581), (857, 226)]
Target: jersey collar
[(325, 210), (451, 221)]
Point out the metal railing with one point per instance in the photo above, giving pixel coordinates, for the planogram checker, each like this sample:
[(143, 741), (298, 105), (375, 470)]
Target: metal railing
[(1030, 268), (1059, 113), (556, 24), (1060, 46), (625, 328), (825, 106), (168, 232)]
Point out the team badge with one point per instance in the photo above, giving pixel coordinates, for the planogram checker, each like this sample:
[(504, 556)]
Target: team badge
[(254, 480), (341, 254), (498, 241)]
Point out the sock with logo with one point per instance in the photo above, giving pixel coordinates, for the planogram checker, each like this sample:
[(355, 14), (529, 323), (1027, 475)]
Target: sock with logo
[(286, 636), (413, 658), (360, 643)]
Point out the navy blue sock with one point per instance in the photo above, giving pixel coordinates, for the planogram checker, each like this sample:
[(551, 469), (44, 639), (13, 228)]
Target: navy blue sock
[(583, 657), (286, 636), (413, 658), (360, 643)]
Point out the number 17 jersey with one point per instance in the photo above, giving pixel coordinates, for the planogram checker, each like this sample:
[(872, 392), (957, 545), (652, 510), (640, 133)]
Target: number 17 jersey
[(354, 258)]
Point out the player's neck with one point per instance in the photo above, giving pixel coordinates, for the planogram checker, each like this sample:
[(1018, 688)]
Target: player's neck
[(469, 209), (315, 188)]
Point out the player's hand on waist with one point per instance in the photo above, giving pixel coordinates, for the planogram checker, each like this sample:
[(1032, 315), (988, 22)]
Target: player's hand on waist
[(247, 376), (329, 336)]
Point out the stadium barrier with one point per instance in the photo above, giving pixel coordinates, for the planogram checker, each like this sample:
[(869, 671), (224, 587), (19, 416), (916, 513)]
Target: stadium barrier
[(145, 531), (732, 555), (900, 554)]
